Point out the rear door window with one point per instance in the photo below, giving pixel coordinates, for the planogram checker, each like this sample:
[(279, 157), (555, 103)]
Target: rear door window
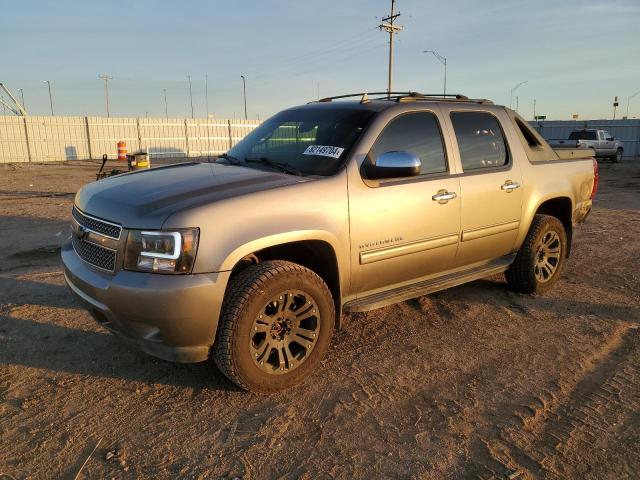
[(480, 140)]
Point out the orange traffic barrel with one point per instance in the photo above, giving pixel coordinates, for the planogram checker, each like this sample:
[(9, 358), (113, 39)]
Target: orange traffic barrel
[(122, 150)]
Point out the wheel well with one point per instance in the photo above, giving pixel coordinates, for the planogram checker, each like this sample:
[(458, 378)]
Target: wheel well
[(562, 210), (316, 255)]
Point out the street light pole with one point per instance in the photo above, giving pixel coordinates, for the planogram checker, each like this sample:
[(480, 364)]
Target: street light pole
[(190, 95), (22, 97), (513, 90), (106, 79), (443, 60), (628, 101), (50, 97), (244, 94), (166, 110)]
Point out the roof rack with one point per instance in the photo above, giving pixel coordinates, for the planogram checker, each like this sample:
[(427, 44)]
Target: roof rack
[(407, 97)]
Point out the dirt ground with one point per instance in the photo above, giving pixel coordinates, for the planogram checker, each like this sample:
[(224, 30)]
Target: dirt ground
[(473, 382)]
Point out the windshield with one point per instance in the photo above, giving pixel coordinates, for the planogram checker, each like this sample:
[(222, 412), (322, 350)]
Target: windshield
[(312, 141), (583, 135)]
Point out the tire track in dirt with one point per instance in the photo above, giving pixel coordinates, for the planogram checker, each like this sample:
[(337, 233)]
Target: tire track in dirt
[(559, 426)]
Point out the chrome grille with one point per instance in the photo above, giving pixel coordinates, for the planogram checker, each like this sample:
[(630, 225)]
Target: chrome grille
[(99, 226), (96, 255)]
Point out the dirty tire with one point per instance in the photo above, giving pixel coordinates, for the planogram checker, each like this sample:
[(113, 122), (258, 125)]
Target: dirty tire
[(525, 274), (617, 158), (248, 294)]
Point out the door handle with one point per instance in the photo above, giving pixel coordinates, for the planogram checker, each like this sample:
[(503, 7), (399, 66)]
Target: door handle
[(510, 186), (443, 196)]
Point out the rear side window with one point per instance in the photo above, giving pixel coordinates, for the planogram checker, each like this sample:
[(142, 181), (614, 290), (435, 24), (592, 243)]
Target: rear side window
[(583, 135), (418, 133), (480, 140)]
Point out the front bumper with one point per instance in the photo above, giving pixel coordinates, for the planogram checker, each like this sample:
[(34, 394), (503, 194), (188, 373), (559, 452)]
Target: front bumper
[(173, 317)]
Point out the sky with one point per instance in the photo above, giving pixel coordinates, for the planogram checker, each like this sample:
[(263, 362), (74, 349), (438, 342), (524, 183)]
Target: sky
[(575, 55)]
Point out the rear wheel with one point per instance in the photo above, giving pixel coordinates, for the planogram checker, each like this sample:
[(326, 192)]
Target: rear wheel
[(539, 262), (275, 327), (617, 158)]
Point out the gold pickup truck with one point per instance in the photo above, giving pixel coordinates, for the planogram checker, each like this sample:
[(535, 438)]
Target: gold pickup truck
[(343, 205)]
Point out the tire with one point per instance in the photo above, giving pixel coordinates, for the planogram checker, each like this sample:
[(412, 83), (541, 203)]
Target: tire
[(538, 264), (617, 158), (275, 327)]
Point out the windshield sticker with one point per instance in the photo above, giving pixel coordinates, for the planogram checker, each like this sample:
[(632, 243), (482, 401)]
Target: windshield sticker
[(324, 151)]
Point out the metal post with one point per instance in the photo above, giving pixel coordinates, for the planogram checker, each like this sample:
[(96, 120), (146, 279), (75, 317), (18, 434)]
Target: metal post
[(244, 94), (86, 126), (166, 111), (106, 79), (230, 137), (50, 97), (186, 136), (190, 95), (26, 137)]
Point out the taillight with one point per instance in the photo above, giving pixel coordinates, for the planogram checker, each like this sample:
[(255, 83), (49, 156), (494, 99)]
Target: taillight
[(596, 179)]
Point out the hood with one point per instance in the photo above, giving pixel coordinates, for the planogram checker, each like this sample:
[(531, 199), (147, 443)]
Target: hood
[(146, 198)]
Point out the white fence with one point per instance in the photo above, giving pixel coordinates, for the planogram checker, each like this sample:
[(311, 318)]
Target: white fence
[(51, 139)]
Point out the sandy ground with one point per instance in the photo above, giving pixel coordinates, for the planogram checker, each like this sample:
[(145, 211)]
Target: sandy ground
[(474, 382)]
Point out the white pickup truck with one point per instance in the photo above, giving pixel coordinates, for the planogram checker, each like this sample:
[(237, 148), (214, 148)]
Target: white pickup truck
[(600, 141)]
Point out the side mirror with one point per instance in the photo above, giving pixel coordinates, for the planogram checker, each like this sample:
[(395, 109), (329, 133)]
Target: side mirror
[(394, 165), (610, 139)]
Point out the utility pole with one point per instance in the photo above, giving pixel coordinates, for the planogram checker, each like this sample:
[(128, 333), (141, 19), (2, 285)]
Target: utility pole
[(206, 93), (443, 60), (190, 95), (106, 79), (534, 109), (615, 106), (50, 97), (388, 25), (166, 110), (244, 94), (513, 90), (628, 101)]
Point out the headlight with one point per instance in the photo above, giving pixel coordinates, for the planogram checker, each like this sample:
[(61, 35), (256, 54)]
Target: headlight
[(161, 251)]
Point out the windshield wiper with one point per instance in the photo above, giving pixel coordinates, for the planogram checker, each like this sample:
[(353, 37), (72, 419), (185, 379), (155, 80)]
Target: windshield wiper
[(284, 167)]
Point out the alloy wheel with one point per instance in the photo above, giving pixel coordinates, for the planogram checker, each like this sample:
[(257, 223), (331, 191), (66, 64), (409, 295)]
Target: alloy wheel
[(548, 252), (285, 332)]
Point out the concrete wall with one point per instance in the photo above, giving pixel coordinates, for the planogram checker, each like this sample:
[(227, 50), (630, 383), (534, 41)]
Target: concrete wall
[(627, 131), (52, 139)]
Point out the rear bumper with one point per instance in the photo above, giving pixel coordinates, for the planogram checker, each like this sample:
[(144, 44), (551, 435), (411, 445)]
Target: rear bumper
[(173, 317)]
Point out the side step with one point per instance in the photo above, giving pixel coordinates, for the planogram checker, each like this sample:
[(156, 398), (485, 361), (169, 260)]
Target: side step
[(389, 297)]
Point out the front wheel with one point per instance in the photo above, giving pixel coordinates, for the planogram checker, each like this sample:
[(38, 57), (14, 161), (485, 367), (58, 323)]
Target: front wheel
[(539, 261), (276, 324)]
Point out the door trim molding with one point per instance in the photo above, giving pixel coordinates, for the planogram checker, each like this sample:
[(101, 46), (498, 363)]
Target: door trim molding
[(377, 255), (476, 233)]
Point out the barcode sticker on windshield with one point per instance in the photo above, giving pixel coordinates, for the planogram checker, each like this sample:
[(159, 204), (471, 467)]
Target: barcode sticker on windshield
[(324, 151)]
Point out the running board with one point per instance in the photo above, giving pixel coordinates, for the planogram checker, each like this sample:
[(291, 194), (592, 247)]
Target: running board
[(389, 297)]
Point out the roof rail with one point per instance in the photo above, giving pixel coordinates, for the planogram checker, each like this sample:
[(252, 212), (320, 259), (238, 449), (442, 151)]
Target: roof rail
[(406, 97)]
